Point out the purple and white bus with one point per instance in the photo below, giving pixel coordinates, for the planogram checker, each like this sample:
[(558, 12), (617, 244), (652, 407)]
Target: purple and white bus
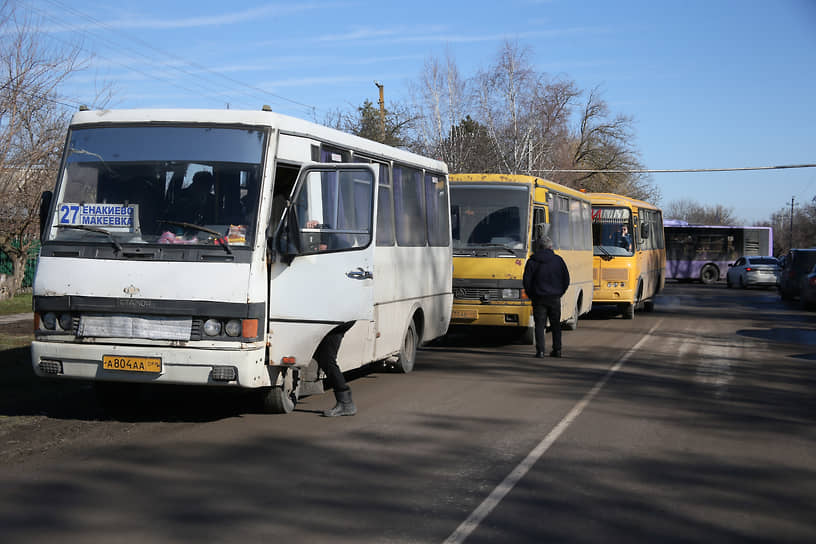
[(703, 252)]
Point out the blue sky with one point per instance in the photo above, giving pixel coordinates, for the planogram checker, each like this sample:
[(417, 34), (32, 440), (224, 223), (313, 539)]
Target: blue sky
[(710, 84)]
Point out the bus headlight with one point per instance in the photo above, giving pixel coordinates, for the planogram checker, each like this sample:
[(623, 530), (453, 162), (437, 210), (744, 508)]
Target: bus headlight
[(49, 320), (66, 322), (510, 293), (233, 328), (212, 327)]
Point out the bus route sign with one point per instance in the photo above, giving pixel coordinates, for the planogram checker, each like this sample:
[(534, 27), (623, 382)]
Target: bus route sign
[(117, 216)]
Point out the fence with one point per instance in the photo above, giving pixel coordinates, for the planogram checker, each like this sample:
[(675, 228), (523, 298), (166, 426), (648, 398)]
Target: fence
[(7, 266)]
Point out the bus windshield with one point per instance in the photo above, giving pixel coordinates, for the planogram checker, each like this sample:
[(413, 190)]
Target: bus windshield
[(612, 232), (489, 216), (159, 185)]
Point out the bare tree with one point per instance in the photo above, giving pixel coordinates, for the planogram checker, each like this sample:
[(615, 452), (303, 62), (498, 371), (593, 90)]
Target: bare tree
[(695, 213), (32, 128), (441, 103), (507, 107), (603, 142), (797, 231)]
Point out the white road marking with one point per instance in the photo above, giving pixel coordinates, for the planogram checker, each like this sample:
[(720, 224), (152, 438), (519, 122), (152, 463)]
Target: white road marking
[(483, 510)]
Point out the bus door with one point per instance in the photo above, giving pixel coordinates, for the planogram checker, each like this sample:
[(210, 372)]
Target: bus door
[(326, 239)]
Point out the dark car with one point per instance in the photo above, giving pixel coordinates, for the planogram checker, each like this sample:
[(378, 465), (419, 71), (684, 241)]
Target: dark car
[(808, 294), (796, 265)]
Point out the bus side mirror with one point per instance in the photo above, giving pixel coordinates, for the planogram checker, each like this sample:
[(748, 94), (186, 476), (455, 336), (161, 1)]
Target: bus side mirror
[(287, 240), (45, 205)]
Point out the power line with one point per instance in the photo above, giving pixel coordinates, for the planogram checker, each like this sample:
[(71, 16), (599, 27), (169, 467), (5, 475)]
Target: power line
[(675, 171), (206, 74)]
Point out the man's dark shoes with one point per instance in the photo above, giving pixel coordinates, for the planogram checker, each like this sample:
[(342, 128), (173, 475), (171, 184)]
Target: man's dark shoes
[(539, 355), (555, 353)]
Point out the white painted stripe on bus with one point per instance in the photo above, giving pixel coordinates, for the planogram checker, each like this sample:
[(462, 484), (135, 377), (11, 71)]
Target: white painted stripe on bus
[(483, 510)]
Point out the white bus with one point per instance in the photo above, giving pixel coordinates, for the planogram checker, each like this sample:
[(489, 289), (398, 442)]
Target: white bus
[(220, 247)]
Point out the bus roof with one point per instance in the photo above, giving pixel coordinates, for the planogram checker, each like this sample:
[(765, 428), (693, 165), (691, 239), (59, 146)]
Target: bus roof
[(284, 123), (513, 178), (619, 200)]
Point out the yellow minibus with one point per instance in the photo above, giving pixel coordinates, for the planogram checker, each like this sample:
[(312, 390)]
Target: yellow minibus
[(629, 252), (495, 219)]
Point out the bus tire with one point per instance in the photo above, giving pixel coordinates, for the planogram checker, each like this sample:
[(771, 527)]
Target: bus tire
[(709, 274), (628, 310), (407, 354), (572, 323), (281, 398)]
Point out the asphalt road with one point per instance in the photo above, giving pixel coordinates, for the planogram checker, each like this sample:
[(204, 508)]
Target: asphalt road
[(694, 423)]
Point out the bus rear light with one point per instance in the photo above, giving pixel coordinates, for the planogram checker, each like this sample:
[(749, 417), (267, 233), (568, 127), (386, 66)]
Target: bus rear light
[(524, 295), (287, 360), (249, 328)]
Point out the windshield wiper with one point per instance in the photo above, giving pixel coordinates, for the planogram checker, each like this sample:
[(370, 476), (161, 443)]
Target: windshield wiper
[(606, 255), (504, 247), (116, 244), (220, 237)]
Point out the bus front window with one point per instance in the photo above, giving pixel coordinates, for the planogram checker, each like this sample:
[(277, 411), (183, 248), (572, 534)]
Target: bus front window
[(489, 216), (159, 185), (612, 232)]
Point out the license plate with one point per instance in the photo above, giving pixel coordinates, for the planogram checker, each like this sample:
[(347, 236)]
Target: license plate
[(132, 364), (465, 314)]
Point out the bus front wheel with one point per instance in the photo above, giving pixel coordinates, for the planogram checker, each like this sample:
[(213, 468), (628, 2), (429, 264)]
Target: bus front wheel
[(709, 274), (280, 398)]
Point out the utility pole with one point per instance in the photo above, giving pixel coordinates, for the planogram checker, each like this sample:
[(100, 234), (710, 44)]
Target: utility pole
[(382, 111), (790, 236)]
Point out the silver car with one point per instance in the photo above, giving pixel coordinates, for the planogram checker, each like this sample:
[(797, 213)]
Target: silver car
[(749, 271)]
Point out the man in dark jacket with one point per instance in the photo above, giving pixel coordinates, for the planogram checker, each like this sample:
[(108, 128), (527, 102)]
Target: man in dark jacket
[(546, 279)]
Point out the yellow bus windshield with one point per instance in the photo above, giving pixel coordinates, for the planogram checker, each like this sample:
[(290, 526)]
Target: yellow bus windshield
[(612, 232), (489, 216)]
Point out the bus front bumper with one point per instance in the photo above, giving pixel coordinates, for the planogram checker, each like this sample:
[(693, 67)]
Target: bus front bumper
[(176, 365), (606, 295), (492, 314)]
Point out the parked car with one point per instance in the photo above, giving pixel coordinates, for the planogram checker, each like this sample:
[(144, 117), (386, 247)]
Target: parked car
[(748, 271), (796, 265), (808, 294)]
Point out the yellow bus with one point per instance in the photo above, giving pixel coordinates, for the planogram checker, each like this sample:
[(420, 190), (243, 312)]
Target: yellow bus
[(629, 252), (495, 219)]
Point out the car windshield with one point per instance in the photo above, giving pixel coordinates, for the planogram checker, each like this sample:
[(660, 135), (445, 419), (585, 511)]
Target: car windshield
[(762, 260), (489, 216), (612, 231), (159, 185)]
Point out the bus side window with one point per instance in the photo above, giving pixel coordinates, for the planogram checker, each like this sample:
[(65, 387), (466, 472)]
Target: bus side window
[(540, 226)]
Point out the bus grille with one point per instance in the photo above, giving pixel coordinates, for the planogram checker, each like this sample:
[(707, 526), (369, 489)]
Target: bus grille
[(476, 293)]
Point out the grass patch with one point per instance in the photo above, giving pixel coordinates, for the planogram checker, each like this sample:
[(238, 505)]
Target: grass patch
[(15, 341), (16, 305)]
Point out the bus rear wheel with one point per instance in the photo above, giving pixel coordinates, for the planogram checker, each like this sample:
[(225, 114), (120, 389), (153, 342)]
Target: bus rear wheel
[(572, 323), (407, 354), (627, 310), (709, 274)]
